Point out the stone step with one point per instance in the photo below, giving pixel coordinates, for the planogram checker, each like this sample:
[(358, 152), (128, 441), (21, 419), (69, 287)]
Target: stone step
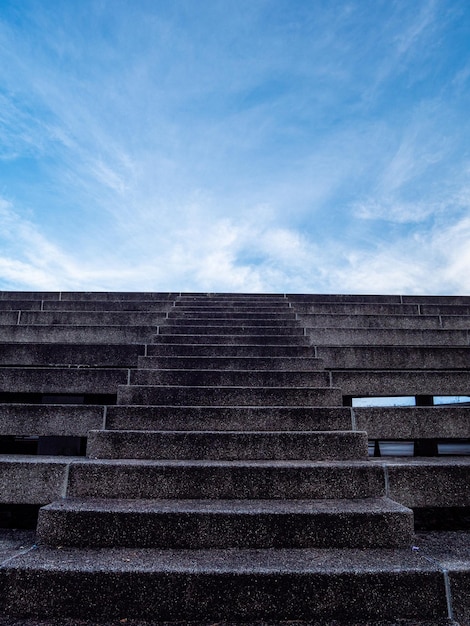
[(395, 357), (402, 383), (75, 334), (90, 318), (293, 350), (358, 308), (222, 418), (214, 585), (203, 524), (224, 315), (308, 298), (61, 380), (259, 339), (227, 445), (407, 322), (230, 322), (414, 422), (50, 419), (20, 305), (219, 329), (386, 336), (444, 309), (258, 309), (144, 306), (233, 396), (224, 378), (184, 479), (230, 363), (116, 296), (70, 355)]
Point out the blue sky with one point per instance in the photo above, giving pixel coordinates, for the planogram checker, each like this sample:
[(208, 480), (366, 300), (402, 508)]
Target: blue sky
[(249, 145)]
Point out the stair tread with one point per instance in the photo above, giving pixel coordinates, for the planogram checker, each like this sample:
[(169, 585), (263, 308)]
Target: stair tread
[(254, 507)]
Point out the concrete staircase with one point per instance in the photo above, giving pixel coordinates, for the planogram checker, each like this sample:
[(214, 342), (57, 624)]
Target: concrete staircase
[(229, 481)]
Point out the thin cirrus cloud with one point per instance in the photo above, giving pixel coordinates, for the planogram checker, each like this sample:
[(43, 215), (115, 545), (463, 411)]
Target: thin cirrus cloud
[(255, 146)]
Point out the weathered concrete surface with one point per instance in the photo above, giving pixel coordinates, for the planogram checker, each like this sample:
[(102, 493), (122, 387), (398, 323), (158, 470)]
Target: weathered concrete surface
[(428, 482), (228, 418), (223, 584), (202, 524), (436, 422), (56, 354), (49, 419), (60, 380), (395, 357), (402, 383), (225, 479), (216, 445), (32, 480)]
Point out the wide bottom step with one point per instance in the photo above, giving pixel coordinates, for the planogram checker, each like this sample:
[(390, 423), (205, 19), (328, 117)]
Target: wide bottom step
[(240, 585), (197, 524)]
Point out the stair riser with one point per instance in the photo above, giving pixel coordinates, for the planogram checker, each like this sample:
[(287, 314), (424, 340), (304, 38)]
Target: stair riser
[(223, 530), (231, 329), (190, 480), (220, 350), (221, 595), (228, 396), (222, 315), (233, 340), (226, 446), (234, 363), (254, 378), (227, 418)]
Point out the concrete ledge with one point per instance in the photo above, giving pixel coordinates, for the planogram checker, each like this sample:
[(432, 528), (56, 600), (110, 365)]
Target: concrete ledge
[(405, 322), (50, 419), (76, 334), (32, 479), (414, 422), (428, 482), (59, 380), (91, 355), (91, 318), (395, 357), (406, 383), (382, 336)]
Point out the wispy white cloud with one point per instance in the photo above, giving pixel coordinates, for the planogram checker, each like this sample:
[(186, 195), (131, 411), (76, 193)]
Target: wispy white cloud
[(257, 148)]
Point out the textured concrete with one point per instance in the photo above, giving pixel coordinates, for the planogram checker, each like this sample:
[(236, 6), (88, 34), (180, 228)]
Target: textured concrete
[(225, 479), (402, 383), (239, 396), (222, 418), (223, 584), (32, 480), (92, 355), (61, 380), (218, 445), (237, 500), (436, 422), (394, 357), (202, 524), (59, 420)]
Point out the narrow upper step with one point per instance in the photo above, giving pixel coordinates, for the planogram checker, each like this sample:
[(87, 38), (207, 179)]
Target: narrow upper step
[(226, 445)]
